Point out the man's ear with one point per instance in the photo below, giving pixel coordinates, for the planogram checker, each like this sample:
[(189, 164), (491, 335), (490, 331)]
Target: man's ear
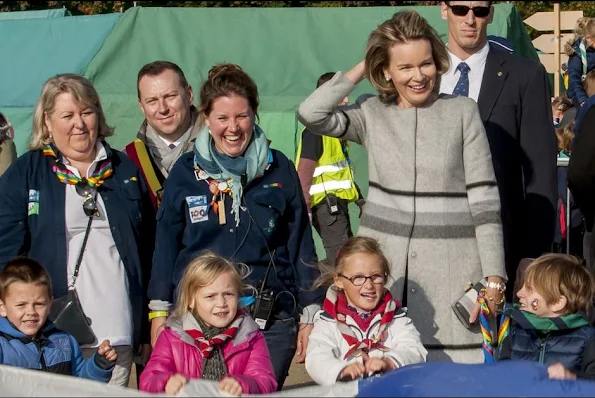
[(560, 305), (491, 16), (444, 10), (190, 94)]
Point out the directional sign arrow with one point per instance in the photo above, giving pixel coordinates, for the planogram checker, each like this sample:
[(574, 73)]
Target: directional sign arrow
[(546, 41), (545, 20)]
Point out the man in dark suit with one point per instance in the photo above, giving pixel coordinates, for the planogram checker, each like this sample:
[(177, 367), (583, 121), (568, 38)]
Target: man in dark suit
[(513, 96)]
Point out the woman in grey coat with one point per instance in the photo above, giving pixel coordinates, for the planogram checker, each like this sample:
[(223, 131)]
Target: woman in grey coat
[(433, 202)]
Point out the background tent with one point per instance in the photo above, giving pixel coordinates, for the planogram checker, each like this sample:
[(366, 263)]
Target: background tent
[(283, 49), (52, 13), (35, 49)]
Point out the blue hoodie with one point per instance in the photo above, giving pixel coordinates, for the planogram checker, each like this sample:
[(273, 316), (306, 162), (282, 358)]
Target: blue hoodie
[(53, 351)]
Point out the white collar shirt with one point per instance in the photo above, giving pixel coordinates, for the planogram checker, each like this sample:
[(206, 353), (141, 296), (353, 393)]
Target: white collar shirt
[(476, 63)]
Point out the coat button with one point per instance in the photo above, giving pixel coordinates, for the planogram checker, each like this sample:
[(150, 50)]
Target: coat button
[(413, 255), (412, 290), (231, 230), (114, 228)]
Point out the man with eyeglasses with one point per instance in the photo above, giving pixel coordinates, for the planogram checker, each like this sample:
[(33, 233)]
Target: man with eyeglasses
[(513, 96)]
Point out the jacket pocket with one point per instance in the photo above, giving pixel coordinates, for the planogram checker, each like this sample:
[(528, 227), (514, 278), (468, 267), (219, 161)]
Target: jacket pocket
[(268, 210), (133, 196)]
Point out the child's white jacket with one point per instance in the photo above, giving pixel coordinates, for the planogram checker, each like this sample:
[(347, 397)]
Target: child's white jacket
[(327, 347)]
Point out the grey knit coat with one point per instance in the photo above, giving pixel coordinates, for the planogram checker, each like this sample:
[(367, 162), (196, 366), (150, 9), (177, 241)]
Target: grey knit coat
[(433, 202)]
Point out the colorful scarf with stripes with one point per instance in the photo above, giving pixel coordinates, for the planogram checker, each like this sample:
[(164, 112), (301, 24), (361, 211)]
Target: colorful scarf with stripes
[(103, 170), (387, 305), (529, 321)]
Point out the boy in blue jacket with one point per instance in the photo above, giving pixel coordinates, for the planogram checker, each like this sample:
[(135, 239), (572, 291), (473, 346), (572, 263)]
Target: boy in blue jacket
[(29, 340)]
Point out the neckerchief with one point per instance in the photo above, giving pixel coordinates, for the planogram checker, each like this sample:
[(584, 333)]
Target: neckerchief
[(238, 171), (102, 171), (356, 347), (206, 343), (582, 49), (530, 321)]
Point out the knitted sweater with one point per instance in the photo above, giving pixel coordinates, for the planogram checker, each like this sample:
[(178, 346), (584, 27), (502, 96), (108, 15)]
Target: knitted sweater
[(433, 202)]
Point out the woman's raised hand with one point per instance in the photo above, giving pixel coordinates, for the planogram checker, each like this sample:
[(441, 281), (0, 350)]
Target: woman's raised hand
[(357, 73)]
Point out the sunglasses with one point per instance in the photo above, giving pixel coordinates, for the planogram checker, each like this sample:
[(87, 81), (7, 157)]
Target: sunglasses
[(89, 205), (461, 11)]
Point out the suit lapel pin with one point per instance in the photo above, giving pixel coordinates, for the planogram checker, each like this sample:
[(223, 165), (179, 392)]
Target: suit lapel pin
[(499, 74)]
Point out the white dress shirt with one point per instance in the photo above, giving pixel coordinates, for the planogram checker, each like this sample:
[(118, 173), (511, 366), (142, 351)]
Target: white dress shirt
[(102, 284), (477, 65), (168, 142)]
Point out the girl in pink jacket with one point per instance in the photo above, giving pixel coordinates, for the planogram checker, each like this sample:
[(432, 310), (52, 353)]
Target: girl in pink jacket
[(207, 337)]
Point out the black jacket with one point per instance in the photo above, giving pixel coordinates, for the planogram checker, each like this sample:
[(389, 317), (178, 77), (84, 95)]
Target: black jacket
[(514, 103)]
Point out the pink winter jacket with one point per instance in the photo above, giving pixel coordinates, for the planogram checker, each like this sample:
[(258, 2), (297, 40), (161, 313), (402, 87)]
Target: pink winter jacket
[(246, 357)]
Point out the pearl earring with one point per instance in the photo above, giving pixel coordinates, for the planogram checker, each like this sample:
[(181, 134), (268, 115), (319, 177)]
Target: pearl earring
[(387, 78)]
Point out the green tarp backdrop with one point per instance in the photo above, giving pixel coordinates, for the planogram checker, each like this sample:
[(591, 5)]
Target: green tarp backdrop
[(283, 49)]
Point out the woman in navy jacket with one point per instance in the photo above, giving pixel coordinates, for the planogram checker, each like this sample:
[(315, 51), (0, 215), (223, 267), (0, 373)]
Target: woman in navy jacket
[(235, 196), (71, 175)]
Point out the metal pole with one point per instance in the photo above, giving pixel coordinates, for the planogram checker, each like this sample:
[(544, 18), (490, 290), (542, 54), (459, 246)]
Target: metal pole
[(557, 49)]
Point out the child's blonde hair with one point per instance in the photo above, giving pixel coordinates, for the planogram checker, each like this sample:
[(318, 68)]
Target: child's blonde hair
[(565, 136), (584, 27), (359, 244), (554, 275), (201, 272), (589, 83)]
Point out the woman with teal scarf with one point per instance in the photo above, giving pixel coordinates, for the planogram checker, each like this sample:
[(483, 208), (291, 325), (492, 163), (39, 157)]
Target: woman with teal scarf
[(237, 197), (550, 324)]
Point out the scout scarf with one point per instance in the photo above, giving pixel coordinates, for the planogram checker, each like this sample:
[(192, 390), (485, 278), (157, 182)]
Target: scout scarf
[(164, 156), (102, 171), (209, 340), (530, 321), (238, 171), (356, 347)]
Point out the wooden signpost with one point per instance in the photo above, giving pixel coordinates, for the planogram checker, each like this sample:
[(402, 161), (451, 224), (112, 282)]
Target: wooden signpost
[(552, 45)]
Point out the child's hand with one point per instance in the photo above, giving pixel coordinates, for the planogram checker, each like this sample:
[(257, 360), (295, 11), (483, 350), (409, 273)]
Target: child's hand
[(231, 386), (559, 372), (106, 350), (355, 371), (175, 383), (377, 365)]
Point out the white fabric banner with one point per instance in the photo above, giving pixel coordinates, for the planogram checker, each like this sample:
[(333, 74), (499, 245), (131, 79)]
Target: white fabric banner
[(17, 382)]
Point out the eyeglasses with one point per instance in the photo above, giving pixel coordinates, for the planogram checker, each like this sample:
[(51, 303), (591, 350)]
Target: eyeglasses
[(89, 205), (461, 11), (359, 280)]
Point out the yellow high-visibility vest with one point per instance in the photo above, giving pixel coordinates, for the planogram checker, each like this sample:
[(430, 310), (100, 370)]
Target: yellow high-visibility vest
[(333, 172)]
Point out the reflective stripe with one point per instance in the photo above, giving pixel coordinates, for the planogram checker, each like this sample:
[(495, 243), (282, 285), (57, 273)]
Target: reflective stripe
[(330, 168), (330, 186)]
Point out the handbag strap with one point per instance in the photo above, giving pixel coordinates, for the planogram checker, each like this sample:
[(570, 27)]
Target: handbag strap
[(79, 260)]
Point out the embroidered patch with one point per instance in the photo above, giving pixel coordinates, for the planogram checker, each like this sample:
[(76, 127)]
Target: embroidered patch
[(33, 208), (270, 226), (198, 208), (33, 195), (33, 205), (273, 185)]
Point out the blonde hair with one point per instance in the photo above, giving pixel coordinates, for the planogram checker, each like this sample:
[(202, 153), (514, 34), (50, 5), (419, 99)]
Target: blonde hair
[(201, 272), (562, 103), (404, 26), (589, 83), (554, 275), (83, 93), (359, 244), (565, 136), (584, 27)]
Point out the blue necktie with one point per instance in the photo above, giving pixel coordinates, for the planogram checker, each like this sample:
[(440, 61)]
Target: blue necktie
[(462, 87)]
